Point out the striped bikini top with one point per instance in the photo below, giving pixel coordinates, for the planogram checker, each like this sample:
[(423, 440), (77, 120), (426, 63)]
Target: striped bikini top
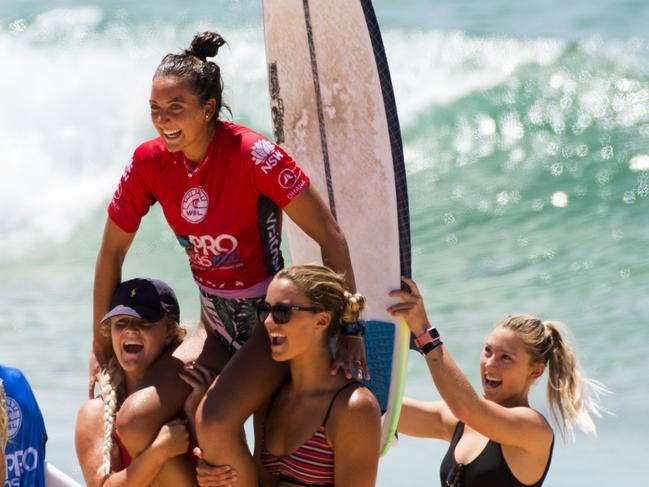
[(312, 464)]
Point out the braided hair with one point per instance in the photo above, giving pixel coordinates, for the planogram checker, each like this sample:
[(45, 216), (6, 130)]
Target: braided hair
[(112, 386)]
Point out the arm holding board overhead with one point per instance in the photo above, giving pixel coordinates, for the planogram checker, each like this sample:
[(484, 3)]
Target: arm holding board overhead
[(311, 214), (334, 111)]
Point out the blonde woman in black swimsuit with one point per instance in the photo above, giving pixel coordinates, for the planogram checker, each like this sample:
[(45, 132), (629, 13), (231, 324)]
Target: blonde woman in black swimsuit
[(497, 439)]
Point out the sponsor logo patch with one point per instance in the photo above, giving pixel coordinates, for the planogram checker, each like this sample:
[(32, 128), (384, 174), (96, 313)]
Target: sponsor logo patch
[(287, 178), (14, 417), (296, 190), (18, 463), (206, 251), (265, 154), (194, 205)]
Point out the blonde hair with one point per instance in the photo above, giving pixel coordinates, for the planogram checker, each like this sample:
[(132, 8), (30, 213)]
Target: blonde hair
[(112, 388), (4, 434), (328, 290), (572, 397)]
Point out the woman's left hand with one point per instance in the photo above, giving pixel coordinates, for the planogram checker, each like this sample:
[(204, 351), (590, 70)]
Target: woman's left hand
[(200, 378), (411, 308), (350, 357)]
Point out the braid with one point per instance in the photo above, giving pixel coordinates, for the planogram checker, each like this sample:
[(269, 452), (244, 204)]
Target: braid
[(4, 435), (109, 381)]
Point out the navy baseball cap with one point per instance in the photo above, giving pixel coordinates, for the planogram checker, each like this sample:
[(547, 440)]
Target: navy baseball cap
[(149, 299)]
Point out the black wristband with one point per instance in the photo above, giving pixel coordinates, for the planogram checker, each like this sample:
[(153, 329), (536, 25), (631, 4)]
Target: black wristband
[(356, 328), (430, 346)]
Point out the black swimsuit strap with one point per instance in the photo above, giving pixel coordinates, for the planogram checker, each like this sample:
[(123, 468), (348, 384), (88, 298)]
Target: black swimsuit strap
[(333, 399), (331, 403)]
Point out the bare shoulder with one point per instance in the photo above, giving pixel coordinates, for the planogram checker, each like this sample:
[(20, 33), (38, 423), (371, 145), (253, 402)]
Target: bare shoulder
[(356, 406), (538, 431), (89, 436), (355, 423), (362, 400), (90, 413)]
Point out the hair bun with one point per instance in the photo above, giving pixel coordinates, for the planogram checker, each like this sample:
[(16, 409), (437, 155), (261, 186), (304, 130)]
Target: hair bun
[(354, 304), (205, 44)]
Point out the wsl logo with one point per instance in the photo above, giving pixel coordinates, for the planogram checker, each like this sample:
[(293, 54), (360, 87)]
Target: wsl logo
[(265, 153), (14, 417), (194, 205)]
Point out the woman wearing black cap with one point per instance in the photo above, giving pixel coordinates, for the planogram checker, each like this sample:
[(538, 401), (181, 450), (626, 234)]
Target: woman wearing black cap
[(142, 323)]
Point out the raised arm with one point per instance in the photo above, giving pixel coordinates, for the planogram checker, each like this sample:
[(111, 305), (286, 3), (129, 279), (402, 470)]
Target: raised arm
[(311, 214), (108, 273), (517, 426), (172, 440), (426, 419), (356, 436)]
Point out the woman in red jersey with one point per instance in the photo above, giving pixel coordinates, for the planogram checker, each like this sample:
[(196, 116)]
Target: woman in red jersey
[(318, 429), (222, 188)]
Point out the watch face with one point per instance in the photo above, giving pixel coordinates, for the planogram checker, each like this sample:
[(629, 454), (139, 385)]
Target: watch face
[(353, 328)]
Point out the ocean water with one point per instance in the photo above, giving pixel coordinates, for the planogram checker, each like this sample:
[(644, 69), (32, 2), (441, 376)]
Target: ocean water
[(526, 135)]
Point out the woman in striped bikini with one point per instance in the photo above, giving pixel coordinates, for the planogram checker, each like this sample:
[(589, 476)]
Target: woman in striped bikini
[(319, 429)]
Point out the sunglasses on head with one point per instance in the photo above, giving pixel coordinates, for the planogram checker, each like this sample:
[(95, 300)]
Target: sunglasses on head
[(281, 312)]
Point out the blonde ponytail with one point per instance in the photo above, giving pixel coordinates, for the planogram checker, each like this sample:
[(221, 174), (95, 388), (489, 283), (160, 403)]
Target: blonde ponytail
[(110, 380), (4, 434), (573, 398)]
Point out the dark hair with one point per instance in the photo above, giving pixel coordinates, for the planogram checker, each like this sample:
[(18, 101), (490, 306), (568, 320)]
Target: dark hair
[(203, 76)]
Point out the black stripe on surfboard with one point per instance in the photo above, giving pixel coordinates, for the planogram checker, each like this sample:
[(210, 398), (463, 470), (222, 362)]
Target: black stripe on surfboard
[(318, 98), (395, 136)]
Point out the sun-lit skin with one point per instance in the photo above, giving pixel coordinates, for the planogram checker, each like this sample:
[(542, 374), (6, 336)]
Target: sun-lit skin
[(137, 344), (304, 333), (183, 121), (505, 369)]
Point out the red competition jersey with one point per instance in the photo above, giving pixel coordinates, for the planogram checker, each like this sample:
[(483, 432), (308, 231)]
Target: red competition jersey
[(225, 211)]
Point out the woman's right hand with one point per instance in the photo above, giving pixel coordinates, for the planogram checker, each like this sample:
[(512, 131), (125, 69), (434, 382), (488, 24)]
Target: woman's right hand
[(200, 378), (172, 439), (411, 308), (213, 475)]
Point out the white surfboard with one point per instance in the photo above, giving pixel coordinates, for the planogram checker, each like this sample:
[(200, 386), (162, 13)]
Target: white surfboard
[(334, 111), (55, 478)]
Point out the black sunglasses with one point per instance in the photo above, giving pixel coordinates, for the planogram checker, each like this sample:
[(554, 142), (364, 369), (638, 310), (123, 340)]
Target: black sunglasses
[(454, 477), (281, 312)]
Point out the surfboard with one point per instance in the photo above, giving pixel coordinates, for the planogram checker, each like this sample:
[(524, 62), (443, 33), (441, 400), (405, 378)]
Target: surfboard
[(55, 478), (333, 110)]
